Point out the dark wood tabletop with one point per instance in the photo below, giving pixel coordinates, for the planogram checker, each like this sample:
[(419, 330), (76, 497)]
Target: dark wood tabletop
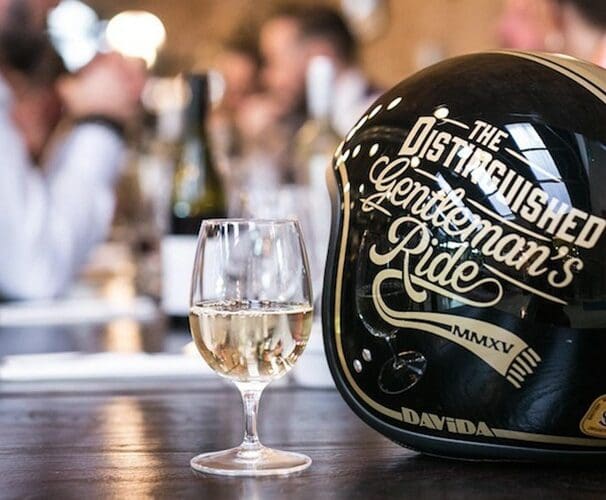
[(135, 439)]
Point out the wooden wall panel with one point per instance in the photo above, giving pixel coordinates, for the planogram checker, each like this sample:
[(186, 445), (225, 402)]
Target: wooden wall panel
[(418, 31)]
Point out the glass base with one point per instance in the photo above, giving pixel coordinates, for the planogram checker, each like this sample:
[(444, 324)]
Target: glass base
[(243, 462)]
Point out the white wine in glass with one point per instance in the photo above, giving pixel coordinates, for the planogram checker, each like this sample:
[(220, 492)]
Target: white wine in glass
[(250, 317), (250, 342)]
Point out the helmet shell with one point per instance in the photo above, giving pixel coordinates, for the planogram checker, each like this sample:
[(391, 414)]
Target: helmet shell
[(464, 305)]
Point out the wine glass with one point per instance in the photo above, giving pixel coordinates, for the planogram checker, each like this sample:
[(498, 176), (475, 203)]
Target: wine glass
[(250, 317), (403, 369)]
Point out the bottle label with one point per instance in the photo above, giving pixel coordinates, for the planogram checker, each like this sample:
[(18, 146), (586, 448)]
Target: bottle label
[(177, 254)]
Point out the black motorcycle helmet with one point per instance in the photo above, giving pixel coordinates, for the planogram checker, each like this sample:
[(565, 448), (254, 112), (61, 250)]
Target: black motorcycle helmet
[(465, 291)]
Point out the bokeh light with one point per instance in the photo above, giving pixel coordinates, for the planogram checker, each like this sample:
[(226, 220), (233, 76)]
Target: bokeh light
[(74, 29), (136, 33)]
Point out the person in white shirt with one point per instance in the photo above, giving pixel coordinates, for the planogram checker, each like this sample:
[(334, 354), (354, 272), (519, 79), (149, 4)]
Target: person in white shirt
[(51, 217)]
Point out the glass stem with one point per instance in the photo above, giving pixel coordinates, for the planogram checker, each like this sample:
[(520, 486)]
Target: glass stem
[(251, 394)]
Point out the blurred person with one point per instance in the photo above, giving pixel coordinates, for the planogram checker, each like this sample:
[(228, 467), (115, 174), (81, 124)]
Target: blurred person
[(295, 34), (573, 27), (234, 148), (582, 26), (51, 218), (238, 63), (528, 25), (288, 39), (37, 106)]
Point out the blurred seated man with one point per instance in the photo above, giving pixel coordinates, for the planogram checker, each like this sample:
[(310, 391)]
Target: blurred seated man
[(291, 37), (573, 27), (288, 40), (51, 218)]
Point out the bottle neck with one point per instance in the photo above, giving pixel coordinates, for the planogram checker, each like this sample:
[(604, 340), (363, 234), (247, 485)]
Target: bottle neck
[(320, 80), (197, 110)]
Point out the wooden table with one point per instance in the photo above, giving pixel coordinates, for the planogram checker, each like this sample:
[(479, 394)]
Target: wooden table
[(134, 439)]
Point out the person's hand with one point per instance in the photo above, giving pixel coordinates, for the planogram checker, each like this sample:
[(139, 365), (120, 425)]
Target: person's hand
[(109, 86)]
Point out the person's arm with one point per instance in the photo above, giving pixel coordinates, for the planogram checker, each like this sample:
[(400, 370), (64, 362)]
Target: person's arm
[(49, 223)]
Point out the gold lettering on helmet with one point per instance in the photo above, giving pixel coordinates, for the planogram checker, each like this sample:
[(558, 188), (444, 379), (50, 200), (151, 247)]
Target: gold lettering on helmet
[(441, 240), (443, 423)]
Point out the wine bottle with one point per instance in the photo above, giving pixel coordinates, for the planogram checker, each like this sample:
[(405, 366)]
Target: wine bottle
[(197, 195), (317, 140), (197, 190), (315, 144)]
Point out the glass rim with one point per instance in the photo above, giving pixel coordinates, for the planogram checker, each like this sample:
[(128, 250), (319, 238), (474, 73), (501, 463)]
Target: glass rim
[(259, 221)]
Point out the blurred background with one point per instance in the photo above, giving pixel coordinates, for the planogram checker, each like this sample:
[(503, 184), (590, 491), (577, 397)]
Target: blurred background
[(124, 124), (408, 35)]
